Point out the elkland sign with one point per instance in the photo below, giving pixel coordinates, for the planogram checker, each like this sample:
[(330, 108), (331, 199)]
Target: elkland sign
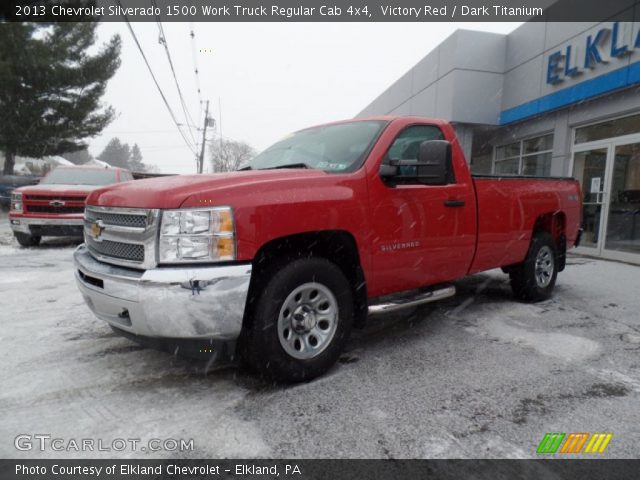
[(601, 60), (608, 44)]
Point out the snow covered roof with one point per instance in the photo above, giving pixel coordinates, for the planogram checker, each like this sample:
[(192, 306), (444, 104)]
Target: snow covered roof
[(98, 163), (59, 161)]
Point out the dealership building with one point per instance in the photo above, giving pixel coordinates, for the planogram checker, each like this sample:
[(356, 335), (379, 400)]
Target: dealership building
[(548, 99)]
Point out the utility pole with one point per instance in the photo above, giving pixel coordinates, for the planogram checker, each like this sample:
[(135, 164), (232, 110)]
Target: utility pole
[(204, 133), (220, 121)]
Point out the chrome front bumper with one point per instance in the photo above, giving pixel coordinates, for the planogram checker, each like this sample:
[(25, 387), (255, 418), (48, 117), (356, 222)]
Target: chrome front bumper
[(23, 223), (184, 302)]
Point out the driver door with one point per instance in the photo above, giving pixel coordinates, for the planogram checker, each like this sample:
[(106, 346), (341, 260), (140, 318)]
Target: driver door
[(422, 234)]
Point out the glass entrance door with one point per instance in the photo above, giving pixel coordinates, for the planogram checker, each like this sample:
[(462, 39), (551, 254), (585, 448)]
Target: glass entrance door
[(589, 168), (606, 161), (623, 218)]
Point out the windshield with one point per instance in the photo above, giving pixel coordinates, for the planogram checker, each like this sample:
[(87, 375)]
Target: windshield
[(332, 148), (80, 176)]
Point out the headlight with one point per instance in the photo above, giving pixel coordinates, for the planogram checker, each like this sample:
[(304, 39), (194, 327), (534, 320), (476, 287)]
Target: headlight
[(16, 202), (197, 236)]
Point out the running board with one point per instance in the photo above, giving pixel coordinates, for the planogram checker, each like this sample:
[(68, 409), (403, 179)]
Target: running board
[(418, 299)]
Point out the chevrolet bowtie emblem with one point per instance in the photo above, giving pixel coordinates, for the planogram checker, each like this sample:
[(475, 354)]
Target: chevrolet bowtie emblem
[(96, 230)]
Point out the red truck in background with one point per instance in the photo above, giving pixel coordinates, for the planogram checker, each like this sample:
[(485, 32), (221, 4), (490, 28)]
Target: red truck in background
[(55, 206), (330, 225)]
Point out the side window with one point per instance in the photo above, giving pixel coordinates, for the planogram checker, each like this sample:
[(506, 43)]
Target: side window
[(407, 145)]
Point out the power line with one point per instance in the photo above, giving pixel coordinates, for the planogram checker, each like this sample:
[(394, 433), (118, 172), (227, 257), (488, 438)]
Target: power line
[(164, 42), (164, 99)]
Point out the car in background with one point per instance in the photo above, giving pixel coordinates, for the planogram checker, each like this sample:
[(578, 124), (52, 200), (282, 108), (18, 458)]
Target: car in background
[(55, 207), (8, 183)]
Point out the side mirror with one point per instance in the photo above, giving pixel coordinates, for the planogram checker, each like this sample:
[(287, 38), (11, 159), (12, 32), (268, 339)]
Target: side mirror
[(387, 171), (434, 162)]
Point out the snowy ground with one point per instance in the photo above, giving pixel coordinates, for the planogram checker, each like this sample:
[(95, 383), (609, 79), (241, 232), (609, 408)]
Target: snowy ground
[(477, 376)]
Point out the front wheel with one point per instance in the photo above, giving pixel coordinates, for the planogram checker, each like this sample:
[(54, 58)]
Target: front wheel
[(534, 279), (301, 321), (27, 240)]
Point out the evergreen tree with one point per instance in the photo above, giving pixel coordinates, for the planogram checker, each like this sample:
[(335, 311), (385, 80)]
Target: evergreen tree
[(135, 162), (116, 153), (51, 88)]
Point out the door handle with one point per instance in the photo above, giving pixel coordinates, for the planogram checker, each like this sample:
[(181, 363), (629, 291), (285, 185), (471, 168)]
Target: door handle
[(454, 203)]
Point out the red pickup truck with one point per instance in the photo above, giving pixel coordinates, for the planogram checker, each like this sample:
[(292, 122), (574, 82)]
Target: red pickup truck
[(332, 224), (55, 206)]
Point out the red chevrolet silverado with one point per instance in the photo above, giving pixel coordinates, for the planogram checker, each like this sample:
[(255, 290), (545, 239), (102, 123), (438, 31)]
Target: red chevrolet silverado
[(55, 206), (278, 261)]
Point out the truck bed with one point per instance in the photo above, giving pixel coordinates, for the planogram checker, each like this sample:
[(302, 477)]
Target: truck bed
[(510, 206)]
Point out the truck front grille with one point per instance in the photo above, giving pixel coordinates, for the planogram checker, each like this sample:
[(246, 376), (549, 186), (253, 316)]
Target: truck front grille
[(54, 204), (60, 198), (123, 220), (124, 251), (122, 236), (53, 209)]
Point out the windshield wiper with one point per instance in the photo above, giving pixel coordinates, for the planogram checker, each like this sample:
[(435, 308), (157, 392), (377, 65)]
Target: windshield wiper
[(248, 167), (289, 165)]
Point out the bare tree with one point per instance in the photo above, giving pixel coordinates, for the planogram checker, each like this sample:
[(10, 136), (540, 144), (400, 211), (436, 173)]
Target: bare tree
[(228, 155)]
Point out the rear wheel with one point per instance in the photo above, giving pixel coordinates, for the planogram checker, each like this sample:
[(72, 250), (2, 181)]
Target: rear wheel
[(27, 240), (301, 321), (534, 279)]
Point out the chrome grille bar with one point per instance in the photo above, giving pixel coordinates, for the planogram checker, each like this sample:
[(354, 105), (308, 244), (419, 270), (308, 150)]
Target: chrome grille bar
[(118, 219), (122, 236)]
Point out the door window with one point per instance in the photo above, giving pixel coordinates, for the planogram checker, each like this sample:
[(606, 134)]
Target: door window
[(406, 146)]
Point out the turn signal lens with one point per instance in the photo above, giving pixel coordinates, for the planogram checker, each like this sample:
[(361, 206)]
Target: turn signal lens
[(223, 221), (226, 247)]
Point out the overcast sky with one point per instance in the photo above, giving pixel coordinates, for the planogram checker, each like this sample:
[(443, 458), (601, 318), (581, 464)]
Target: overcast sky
[(269, 78)]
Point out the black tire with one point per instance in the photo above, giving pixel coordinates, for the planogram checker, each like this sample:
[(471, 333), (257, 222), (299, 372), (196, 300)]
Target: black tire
[(534, 279), (27, 240), (263, 343)]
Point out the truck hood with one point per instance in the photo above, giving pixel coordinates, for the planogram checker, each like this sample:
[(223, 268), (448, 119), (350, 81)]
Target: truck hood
[(173, 191), (55, 189)]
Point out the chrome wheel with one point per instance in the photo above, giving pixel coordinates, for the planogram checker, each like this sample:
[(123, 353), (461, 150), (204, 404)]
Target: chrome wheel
[(544, 267), (308, 320)]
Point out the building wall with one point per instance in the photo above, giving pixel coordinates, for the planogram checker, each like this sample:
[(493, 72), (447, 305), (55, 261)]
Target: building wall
[(493, 79), (460, 80)]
